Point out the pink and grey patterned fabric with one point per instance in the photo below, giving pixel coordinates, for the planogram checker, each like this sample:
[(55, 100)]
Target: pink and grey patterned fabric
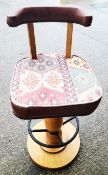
[(53, 80)]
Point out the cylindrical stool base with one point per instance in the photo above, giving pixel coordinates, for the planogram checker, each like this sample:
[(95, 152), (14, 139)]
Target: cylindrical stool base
[(60, 158)]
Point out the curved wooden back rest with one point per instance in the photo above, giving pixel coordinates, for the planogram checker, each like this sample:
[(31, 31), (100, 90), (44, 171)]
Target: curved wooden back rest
[(67, 14)]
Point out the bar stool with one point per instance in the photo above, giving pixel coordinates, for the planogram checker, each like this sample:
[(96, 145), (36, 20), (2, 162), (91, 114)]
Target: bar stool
[(53, 86)]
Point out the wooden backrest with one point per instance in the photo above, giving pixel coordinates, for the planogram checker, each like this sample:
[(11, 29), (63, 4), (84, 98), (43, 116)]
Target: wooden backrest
[(67, 14)]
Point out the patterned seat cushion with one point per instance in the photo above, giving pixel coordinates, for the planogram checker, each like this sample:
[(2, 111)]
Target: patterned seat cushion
[(54, 86)]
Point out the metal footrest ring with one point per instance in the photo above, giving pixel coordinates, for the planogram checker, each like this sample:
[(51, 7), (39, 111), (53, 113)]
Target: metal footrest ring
[(30, 131)]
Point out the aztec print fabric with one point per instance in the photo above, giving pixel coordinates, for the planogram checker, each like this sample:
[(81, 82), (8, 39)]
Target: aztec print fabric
[(53, 80)]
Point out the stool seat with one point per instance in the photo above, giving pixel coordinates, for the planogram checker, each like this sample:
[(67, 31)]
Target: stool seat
[(53, 86)]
